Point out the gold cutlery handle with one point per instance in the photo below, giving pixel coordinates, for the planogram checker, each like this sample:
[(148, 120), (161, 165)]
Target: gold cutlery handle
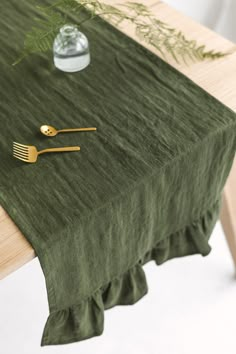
[(62, 149), (76, 130)]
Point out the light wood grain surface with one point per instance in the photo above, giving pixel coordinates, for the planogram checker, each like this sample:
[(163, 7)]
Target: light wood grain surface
[(217, 77)]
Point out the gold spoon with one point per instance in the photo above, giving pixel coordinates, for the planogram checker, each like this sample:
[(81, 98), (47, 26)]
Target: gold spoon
[(51, 131)]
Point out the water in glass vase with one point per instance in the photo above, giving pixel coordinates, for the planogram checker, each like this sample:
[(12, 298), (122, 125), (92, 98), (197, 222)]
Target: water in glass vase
[(71, 49)]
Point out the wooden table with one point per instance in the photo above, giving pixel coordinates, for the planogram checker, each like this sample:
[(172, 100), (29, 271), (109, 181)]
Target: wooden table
[(217, 77)]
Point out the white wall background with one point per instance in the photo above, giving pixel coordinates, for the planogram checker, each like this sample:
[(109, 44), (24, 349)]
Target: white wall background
[(219, 15), (191, 305)]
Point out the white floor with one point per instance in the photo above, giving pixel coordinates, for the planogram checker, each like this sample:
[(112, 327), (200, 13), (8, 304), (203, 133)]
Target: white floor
[(190, 309)]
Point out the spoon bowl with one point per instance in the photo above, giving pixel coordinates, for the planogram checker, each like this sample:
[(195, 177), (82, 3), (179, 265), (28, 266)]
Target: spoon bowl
[(48, 130)]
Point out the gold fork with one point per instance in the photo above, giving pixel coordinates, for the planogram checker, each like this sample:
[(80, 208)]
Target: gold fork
[(29, 153)]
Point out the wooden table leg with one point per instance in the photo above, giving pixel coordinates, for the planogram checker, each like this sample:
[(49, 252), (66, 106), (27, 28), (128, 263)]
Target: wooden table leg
[(228, 212)]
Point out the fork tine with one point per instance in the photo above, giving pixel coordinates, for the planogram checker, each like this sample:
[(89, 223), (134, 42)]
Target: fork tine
[(20, 150), (21, 155), (15, 147), (24, 152), (20, 158), (20, 145)]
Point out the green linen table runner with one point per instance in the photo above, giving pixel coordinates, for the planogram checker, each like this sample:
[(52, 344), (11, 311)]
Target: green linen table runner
[(146, 186)]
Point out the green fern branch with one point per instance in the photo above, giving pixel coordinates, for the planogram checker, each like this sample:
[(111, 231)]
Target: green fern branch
[(167, 40)]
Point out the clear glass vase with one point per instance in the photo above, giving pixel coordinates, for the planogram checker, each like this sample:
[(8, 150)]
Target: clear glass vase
[(71, 49)]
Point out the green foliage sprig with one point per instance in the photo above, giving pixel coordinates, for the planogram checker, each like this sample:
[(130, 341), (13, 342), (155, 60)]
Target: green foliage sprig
[(167, 40)]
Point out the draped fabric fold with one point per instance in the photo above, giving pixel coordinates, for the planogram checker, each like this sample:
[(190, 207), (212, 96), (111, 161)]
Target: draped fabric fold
[(86, 319)]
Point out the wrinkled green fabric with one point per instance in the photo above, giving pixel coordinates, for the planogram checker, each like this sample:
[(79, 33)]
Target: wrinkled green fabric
[(146, 186)]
